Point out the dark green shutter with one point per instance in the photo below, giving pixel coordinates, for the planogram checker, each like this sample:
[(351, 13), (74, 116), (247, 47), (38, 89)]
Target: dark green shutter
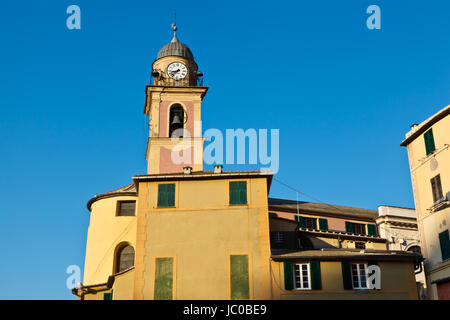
[(288, 275), (316, 282), (445, 245), (302, 222), (108, 295), (429, 142), (347, 275), (323, 224), (372, 230), (273, 214), (238, 192), (348, 227), (166, 195)]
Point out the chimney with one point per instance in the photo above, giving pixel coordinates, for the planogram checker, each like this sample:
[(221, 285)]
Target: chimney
[(187, 170), (218, 168)]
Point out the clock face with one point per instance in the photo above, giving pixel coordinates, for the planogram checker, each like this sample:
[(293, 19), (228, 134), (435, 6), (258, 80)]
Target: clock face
[(177, 70)]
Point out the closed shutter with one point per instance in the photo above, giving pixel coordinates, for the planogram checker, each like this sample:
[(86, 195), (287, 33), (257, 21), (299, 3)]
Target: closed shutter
[(445, 245), (323, 224), (372, 230), (429, 142), (108, 295), (346, 275), (238, 192), (166, 195), (163, 285), (316, 281), (348, 227), (288, 275)]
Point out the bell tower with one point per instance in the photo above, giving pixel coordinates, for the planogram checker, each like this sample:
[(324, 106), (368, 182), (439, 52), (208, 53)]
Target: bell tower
[(173, 104)]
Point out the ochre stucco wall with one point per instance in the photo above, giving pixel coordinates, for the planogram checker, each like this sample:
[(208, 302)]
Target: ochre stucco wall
[(106, 231), (201, 233)]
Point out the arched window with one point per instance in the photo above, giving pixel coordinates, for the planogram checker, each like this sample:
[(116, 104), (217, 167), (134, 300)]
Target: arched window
[(415, 249), (124, 258), (176, 121)]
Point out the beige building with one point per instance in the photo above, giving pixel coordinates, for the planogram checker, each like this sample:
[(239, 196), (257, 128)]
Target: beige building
[(399, 227), (429, 161)]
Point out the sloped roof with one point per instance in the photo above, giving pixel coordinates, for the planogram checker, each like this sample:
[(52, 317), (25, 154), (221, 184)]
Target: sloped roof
[(128, 190), (347, 254), (321, 208)]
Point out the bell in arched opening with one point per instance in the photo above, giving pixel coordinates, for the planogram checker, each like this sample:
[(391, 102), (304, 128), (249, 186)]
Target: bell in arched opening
[(176, 122)]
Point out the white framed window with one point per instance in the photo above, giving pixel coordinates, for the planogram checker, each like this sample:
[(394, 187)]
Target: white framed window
[(302, 276), (359, 275)]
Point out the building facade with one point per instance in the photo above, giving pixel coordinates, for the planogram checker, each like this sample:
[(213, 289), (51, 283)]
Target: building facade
[(399, 227), (181, 232), (428, 146)]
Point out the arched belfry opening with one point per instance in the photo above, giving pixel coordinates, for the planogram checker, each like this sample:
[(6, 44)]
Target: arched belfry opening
[(176, 121)]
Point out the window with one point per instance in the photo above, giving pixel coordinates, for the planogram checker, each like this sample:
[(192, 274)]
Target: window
[(238, 192), (302, 279), (360, 245), (176, 121), (429, 142), (436, 188), (278, 237), (166, 195), (124, 258), (359, 275), (445, 245), (126, 208), (357, 228), (308, 223)]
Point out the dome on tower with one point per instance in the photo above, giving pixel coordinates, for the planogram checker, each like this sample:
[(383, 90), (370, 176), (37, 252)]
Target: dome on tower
[(175, 48)]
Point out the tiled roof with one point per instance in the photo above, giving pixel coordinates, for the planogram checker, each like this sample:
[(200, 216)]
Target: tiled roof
[(128, 190), (321, 208), (338, 254)]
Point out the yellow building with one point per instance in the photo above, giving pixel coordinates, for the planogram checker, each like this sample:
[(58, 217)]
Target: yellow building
[(180, 232), (428, 146)]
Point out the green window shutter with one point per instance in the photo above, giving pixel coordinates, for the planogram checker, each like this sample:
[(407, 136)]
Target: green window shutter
[(323, 224), (273, 214), (372, 230), (238, 192), (348, 227), (316, 282), (347, 275), (108, 295), (288, 275), (429, 142), (302, 222), (163, 279), (166, 195), (297, 218), (445, 245), (239, 279)]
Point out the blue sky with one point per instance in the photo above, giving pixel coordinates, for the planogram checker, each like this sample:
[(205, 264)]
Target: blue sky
[(71, 102)]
